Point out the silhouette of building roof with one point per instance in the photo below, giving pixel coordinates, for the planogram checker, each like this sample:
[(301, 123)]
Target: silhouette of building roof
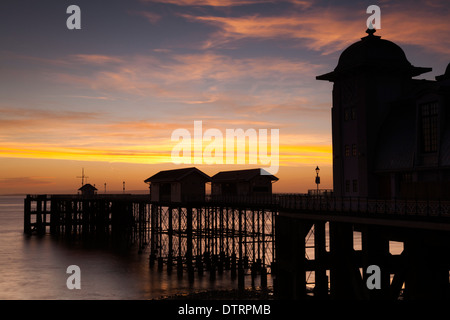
[(240, 175), (372, 51), (176, 175), (87, 187), (446, 75)]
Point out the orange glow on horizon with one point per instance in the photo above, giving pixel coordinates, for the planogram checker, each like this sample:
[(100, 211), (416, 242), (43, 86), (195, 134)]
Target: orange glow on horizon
[(288, 154), (45, 169)]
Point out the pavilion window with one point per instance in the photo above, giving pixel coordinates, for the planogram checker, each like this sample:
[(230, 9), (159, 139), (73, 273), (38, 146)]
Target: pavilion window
[(429, 113), (347, 185)]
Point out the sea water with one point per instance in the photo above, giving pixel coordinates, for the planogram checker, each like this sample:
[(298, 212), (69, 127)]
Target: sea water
[(34, 267)]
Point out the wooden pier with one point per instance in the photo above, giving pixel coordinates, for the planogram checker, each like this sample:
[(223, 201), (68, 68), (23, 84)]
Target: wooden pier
[(119, 218), (211, 235)]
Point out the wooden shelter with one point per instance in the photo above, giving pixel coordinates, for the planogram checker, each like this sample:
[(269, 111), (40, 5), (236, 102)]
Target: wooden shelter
[(251, 182), (87, 190), (187, 184)]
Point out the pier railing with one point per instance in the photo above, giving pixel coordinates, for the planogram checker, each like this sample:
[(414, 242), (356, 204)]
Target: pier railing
[(328, 203), (361, 205), (325, 203)]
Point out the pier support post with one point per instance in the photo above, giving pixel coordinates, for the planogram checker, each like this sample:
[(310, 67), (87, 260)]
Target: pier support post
[(40, 225), (27, 215), (170, 240), (375, 251), (54, 218), (290, 257), (427, 274), (189, 239), (345, 278), (320, 257), (153, 233)]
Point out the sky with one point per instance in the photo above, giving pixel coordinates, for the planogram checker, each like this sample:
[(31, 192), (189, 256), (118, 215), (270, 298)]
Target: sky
[(108, 97)]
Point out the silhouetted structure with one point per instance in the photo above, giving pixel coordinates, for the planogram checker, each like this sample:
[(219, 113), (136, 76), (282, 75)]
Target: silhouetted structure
[(249, 183), (391, 137), (391, 145), (187, 184), (88, 190)]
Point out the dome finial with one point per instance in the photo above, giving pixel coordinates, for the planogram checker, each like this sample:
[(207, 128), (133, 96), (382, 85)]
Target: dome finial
[(371, 31)]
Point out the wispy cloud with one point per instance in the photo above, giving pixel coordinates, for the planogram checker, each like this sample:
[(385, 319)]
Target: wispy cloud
[(151, 17), (194, 79), (91, 97), (328, 30), (229, 3), (316, 28), (94, 59), (213, 3), (426, 30)]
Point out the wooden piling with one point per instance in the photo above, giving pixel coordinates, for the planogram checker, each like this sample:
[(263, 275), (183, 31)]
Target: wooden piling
[(27, 216)]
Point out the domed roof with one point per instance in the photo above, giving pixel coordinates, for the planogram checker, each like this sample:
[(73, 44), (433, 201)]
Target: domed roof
[(372, 50), (446, 75)]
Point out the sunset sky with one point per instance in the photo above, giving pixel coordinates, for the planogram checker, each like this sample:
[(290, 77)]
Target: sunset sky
[(107, 98)]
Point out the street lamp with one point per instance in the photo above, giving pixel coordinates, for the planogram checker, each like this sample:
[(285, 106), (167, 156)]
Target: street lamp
[(317, 179)]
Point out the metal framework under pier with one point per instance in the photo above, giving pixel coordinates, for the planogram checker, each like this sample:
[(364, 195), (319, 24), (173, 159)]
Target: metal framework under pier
[(208, 235), (213, 237)]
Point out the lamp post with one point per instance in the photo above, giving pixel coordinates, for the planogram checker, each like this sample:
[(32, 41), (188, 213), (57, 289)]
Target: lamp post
[(317, 179)]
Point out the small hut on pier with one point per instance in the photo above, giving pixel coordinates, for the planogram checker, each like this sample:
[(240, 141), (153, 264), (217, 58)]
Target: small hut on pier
[(251, 182), (187, 184), (87, 190)]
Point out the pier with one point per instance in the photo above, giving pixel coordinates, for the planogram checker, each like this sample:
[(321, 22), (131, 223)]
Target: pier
[(212, 235), (118, 218), (295, 238)]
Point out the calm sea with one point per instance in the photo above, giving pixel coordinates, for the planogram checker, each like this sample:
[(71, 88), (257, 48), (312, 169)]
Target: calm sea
[(33, 267)]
